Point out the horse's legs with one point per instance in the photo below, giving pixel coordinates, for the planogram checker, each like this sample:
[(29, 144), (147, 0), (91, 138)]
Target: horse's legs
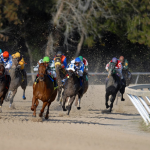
[(122, 92), (24, 85), (64, 101), (49, 103), (79, 102), (70, 102), (112, 101), (1, 102), (106, 100), (42, 110), (35, 106), (46, 116), (24, 97), (59, 95), (12, 97), (122, 99), (33, 103)]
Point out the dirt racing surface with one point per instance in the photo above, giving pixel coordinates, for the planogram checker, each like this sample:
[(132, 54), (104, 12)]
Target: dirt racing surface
[(92, 127)]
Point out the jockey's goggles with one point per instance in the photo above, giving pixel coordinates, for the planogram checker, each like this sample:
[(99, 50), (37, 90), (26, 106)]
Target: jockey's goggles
[(5, 57)]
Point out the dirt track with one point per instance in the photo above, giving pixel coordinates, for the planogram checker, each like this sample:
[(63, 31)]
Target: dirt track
[(89, 128)]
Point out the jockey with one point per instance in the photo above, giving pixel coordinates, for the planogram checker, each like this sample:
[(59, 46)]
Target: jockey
[(50, 68), (63, 59), (79, 68), (6, 58), (124, 62), (118, 67), (21, 62), (85, 62)]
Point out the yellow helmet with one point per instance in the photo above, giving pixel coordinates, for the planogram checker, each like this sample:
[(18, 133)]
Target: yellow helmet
[(17, 54)]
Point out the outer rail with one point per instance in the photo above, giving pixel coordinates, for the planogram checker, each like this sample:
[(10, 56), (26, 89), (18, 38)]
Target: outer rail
[(136, 94)]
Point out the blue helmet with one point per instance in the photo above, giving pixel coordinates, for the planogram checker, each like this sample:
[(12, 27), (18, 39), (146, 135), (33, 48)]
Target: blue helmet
[(114, 60), (0, 51), (77, 60)]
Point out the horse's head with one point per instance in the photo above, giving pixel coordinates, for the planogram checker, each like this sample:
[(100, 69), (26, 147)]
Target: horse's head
[(42, 71), (71, 70), (14, 62), (2, 69), (57, 63), (111, 69)]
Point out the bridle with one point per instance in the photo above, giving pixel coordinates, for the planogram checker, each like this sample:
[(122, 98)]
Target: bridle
[(42, 74)]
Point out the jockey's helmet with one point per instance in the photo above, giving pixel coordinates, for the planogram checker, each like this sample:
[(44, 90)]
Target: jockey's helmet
[(5, 55), (46, 59), (121, 58), (114, 60), (77, 60), (17, 55), (81, 58), (0, 51), (59, 53)]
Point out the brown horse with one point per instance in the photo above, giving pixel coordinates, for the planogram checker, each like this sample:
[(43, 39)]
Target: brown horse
[(43, 90), (4, 84)]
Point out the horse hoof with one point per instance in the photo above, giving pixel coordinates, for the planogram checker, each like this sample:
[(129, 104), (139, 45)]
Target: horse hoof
[(107, 106), (46, 117), (32, 109), (33, 116), (23, 97), (122, 99), (110, 109), (6, 100), (40, 115), (64, 109), (78, 108)]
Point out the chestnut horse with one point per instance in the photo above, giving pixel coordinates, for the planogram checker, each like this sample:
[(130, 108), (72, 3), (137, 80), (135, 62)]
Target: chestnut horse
[(43, 90), (4, 84)]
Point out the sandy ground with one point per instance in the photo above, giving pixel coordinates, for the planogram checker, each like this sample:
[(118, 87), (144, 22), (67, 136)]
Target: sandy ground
[(92, 127)]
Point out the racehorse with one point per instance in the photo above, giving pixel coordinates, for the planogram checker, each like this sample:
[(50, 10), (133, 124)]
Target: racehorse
[(4, 84), (17, 79), (60, 75), (43, 90), (71, 89), (113, 85)]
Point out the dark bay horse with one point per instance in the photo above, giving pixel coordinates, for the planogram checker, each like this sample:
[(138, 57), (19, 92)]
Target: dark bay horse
[(4, 84), (43, 90), (113, 85), (17, 80), (60, 75), (71, 89)]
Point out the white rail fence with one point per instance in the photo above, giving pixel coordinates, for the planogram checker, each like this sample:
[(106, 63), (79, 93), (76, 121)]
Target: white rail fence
[(104, 73), (139, 96)]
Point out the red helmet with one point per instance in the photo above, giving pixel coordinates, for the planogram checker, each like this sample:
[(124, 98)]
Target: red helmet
[(121, 58), (5, 54)]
